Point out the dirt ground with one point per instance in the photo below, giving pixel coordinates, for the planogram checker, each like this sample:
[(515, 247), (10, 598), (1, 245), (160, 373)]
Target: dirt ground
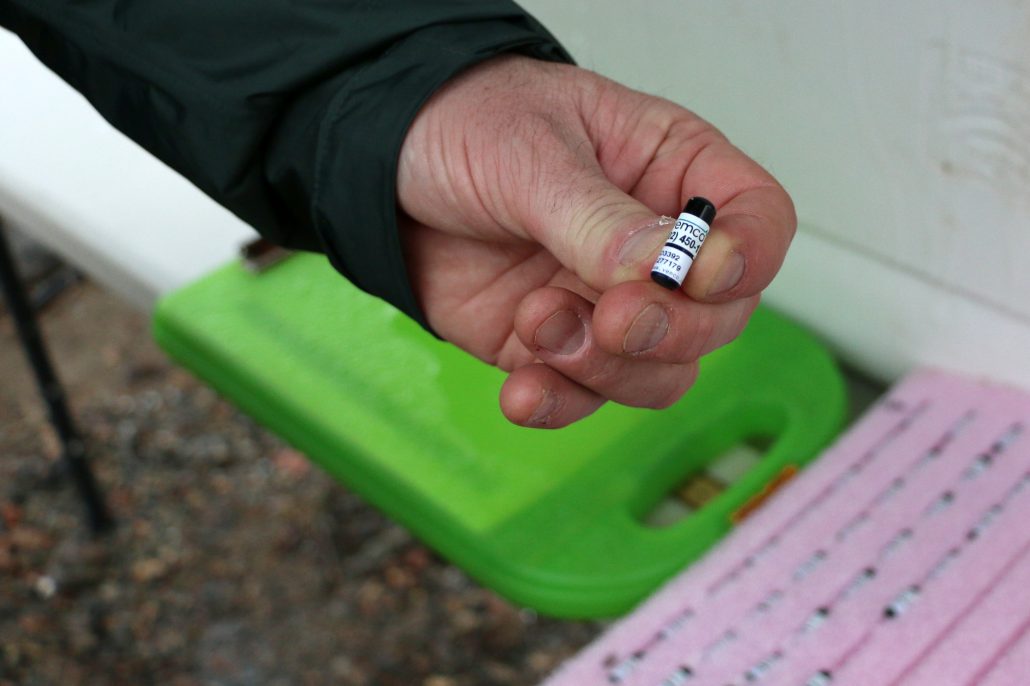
[(234, 562)]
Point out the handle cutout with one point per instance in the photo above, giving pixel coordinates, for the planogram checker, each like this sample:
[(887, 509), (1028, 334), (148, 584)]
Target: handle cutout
[(715, 475)]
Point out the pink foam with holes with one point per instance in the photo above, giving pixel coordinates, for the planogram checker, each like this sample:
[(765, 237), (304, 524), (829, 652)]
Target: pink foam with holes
[(748, 601)]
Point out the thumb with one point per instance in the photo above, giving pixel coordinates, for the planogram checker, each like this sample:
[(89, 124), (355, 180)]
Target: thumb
[(591, 226)]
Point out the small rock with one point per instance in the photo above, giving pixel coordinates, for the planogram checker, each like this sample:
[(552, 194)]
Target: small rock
[(343, 668), (373, 552), (7, 561), (81, 632), (78, 563), (465, 621), (149, 569), (398, 577), (439, 680), (417, 559), (11, 514), (291, 463), (142, 372), (504, 626), (370, 598), (30, 538), (453, 579), (501, 673), (46, 587), (226, 653), (212, 448), (541, 662), (218, 595), (33, 623), (51, 447), (12, 655)]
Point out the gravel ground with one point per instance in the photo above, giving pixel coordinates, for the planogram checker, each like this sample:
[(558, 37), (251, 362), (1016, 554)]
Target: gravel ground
[(235, 561)]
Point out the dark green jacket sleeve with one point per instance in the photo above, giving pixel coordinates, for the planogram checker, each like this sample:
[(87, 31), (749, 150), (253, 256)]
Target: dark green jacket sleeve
[(291, 113)]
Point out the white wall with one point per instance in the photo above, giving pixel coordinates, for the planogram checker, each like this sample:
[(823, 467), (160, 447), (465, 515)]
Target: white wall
[(902, 130)]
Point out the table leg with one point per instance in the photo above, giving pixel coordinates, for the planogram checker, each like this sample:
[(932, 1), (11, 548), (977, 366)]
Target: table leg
[(74, 451)]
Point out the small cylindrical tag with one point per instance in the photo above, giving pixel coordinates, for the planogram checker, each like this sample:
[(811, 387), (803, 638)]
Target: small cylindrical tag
[(684, 241)]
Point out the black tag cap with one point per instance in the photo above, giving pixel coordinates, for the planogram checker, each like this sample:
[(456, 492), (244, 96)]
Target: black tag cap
[(701, 208)]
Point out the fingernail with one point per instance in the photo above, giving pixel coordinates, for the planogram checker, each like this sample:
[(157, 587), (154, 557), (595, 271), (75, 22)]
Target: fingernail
[(647, 330), (729, 274), (548, 405), (562, 333), (642, 243)]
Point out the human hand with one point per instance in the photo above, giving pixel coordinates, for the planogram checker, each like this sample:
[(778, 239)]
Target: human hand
[(530, 193)]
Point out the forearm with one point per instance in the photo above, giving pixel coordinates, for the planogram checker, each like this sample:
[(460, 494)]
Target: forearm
[(289, 114)]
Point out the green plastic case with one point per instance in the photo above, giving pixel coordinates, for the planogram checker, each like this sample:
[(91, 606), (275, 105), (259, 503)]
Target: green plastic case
[(551, 519)]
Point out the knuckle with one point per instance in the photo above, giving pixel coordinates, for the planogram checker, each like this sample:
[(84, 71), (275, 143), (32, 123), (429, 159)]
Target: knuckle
[(604, 374), (672, 395), (665, 400), (744, 311), (706, 330), (596, 212), (743, 317), (731, 335), (695, 134), (700, 335)]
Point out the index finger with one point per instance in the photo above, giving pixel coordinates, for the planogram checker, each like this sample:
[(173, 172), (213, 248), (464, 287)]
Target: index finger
[(752, 230)]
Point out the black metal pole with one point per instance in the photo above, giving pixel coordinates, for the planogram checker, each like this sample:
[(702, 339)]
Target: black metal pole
[(52, 391)]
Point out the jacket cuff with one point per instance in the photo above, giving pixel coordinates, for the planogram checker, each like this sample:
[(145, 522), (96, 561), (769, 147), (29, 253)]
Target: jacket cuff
[(354, 200)]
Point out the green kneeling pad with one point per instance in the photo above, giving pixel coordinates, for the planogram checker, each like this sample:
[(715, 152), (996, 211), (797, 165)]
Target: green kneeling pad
[(555, 520)]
